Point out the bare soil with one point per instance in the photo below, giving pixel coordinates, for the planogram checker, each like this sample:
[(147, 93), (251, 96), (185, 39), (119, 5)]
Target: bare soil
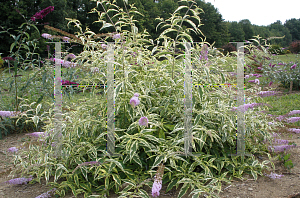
[(264, 187)]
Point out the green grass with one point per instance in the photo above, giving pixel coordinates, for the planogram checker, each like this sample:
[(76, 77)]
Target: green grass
[(283, 104), (288, 58)]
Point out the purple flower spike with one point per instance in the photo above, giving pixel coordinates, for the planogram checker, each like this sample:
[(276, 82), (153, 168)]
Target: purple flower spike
[(270, 83), (274, 176), (12, 149), (143, 121), (47, 194), (66, 39), (294, 66), (281, 148), (293, 119), (156, 188), (36, 134), (43, 13), (136, 95), (116, 36), (9, 113), (19, 181), (294, 112), (294, 130)]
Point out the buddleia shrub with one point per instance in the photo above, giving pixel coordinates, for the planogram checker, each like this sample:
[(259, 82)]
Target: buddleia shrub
[(295, 47), (156, 91)]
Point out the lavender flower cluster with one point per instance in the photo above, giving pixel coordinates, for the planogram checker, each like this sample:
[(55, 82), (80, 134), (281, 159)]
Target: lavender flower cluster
[(9, 113), (134, 101), (274, 176), (12, 149), (245, 107), (64, 63), (66, 82), (267, 93), (47, 194), (281, 148), (19, 181), (294, 130)]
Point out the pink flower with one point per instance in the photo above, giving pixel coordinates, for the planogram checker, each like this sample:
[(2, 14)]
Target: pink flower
[(280, 141), (134, 101), (136, 95), (71, 56), (280, 118), (280, 148), (259, 68), (47, 194), (19, 181), (267, 93), (43, 13), (247, 76), (270, 83), (104, 46), (36, 134), (294, 130), (274, 176), (47, 36), (256, 81), (116, 36), (294, 112), (143, 121), (8, 58), (66, 39), (12, 149), (9, 113), (156, 187), (294, 66), (293, 119)]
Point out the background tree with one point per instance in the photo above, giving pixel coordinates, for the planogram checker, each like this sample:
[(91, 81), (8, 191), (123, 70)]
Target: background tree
[(236, 31), (247, 28), (294, 27)]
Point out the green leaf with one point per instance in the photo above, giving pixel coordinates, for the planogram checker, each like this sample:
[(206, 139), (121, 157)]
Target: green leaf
[(254, 174), (133, 149), (35, 120), (117, 179), (161, 134), (105, 25), (172, 184), (183, 190), (180, 8), (87, 186), (157, 161), (200, 92), (38, 108), (84, 172), (107, 183), (137, 160), (76, 180), (129, 182), (143, 193)]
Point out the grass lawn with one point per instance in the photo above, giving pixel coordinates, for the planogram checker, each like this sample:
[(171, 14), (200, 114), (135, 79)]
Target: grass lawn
[(288, 58)]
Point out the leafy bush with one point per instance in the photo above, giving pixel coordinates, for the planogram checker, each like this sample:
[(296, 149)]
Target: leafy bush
[(82, 161), (276, 49), (228, 48), (295, 47)]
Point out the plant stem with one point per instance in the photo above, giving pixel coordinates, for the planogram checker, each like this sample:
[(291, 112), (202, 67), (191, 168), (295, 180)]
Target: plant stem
[(176, 39)]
